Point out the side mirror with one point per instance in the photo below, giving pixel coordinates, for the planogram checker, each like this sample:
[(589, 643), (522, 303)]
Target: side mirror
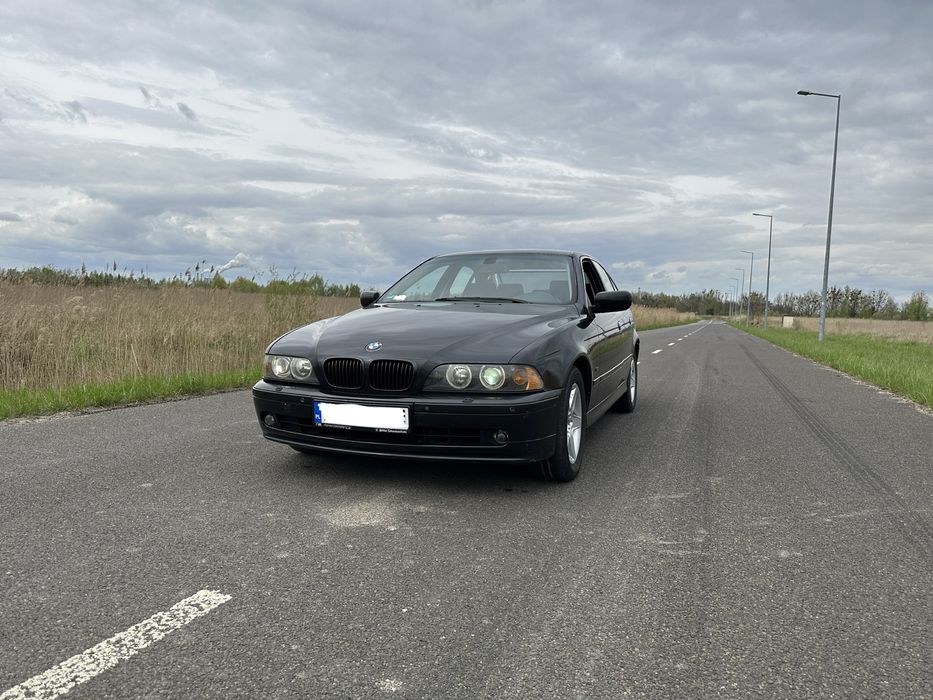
[(368, 297), (612, 301)]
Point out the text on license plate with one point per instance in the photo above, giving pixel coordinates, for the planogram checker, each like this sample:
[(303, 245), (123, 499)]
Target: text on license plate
[(351, 415)]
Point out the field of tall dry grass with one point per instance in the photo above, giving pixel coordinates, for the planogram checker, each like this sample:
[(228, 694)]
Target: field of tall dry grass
[(60, 336), (54, 336), (650, 317), (919, 331)]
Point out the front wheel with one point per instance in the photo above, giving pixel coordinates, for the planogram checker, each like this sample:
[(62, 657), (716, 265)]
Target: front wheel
[(565, 463)]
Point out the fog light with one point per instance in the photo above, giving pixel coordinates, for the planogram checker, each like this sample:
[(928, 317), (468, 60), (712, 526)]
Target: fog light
[(269, 420), (501, 437)]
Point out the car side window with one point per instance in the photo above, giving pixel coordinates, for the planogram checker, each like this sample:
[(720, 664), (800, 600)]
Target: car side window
[(608, 284), (593, 283)]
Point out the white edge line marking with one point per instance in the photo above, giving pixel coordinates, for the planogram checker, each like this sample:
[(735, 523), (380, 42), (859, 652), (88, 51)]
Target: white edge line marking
[(669, 344), (655, 352), (91, 662)]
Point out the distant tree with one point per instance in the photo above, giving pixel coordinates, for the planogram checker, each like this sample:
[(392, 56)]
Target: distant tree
[(808, 303), (834, 300), (889, 310), (852, 301), (241, 284), (917, 308)]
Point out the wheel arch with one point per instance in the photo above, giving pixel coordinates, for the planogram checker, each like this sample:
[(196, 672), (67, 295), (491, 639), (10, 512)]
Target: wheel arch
[(583, 364)]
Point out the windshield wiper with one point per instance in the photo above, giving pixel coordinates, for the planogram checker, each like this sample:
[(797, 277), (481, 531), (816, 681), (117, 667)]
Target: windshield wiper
[(492, 299)]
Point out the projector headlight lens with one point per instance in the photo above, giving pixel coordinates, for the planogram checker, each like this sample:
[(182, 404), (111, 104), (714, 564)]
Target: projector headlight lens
[(492, 377)]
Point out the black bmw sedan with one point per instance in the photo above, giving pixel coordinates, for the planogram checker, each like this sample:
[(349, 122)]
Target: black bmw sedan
[(491, 355)]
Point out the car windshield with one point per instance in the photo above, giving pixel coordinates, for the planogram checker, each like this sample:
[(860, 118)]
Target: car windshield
[(537, 278)]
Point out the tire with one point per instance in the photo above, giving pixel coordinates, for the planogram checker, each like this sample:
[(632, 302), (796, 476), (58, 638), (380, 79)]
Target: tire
[(626, 404), (565, 463)]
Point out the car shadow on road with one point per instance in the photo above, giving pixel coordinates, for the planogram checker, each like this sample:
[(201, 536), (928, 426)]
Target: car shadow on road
[(352, 471)]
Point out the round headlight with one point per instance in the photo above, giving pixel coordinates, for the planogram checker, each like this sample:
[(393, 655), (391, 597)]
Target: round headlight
[(301, 367), (492, 376), (459, 376), (280, 367)]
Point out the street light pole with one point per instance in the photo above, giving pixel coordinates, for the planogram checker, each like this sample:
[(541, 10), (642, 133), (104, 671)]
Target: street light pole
[(739, 301), (829, 221), (768, 277), (735, 294), (751, 271)]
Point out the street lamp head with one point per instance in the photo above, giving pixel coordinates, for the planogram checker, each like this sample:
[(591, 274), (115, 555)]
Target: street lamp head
[(804, 92), (761, 214), (747, 252)]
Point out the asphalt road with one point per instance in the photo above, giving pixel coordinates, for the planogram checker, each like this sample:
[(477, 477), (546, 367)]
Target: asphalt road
[(759, 527)]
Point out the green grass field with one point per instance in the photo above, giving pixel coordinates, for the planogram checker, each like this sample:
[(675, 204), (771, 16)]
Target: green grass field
[(903, 367)]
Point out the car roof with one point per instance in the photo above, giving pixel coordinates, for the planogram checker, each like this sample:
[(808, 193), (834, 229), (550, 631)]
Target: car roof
[(512, 251)]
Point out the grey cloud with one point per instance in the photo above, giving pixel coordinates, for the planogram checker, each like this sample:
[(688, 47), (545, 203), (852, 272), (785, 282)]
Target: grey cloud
[(75, 111), (149, 98), (187, 112), (10, 216)]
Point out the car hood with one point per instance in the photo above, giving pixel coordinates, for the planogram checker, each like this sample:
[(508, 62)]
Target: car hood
[(445, 332)]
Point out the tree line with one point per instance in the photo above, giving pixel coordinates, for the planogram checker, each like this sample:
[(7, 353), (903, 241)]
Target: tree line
[(841, 302), (313, 285)]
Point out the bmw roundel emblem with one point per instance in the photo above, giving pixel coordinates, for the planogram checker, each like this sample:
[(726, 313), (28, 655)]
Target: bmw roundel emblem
[(373, 346)]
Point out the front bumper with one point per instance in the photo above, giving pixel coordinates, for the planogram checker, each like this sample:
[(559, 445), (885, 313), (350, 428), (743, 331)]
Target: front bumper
[(442, 427)]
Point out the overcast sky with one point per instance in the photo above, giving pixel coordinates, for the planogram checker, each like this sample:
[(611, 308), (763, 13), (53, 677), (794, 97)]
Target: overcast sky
[(356, 139)]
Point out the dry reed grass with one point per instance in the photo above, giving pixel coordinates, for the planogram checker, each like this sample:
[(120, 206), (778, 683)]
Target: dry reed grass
[(55, 336), (650, 317), (919, 331)]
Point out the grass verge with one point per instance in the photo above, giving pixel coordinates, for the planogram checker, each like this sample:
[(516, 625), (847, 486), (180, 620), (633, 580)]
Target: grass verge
[(903, 367), (18, 403)]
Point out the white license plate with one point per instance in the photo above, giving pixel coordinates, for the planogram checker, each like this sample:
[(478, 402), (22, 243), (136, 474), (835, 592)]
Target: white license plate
[(390, 419)]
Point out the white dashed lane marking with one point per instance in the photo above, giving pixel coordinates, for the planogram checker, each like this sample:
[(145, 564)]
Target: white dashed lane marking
[(94, 661), (687, 335)]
